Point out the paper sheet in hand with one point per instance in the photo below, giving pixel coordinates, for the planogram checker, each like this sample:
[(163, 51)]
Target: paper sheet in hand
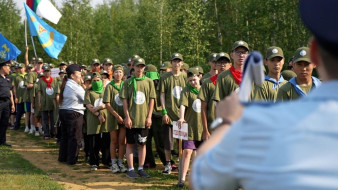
[(180, 133), (252, 74), (55, 72)]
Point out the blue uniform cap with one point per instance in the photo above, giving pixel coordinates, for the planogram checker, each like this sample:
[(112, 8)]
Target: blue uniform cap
[(321, 18)]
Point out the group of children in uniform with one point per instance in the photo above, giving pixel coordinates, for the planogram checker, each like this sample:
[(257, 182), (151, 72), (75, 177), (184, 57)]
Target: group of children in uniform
[(127, 105)]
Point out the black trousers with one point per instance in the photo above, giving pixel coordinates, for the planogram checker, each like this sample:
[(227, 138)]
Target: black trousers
[(71, 134), (155, 131), (4, 116), (20, 110), (48, 123), (99, 142)]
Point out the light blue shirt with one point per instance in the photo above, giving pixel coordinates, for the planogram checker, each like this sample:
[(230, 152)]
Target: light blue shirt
[(287, 146), (73, 97)]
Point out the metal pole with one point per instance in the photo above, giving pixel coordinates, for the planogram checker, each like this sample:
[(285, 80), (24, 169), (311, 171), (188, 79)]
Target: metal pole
[(26, 31), (33, 46)]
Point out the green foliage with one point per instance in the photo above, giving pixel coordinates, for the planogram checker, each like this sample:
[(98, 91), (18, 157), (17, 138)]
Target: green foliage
[(154, 29)]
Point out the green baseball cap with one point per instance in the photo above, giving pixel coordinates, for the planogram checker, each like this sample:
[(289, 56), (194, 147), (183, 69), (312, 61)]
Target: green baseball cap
[(89, 68), (118, 67), (222, 55), (20, 65), (199, 69), (240, 43), (51, 65), (12, 64), (274, 51), (139, 61), (104, 72), (39, 60), (212, 57), (30, 66), (88, 77), (40, 75), (33, 59), (46, 68), (62, 71), (95, 61), (63, 63), (107, 61), (150, 68), (165, 65), (70, 62), (302, 54), (176, 56), (185, 66), (96, 74), (288, 74), (193, 72)]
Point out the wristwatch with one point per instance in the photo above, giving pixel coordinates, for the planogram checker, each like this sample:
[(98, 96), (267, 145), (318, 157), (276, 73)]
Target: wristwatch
[(218, 122)]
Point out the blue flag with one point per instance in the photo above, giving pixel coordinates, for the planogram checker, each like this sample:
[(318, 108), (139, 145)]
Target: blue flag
[(51, 40), (7, 49)]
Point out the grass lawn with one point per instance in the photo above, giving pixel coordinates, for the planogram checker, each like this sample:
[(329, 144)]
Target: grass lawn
[(18, 173)]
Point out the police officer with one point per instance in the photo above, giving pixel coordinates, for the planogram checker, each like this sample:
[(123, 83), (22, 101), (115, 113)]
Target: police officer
[(6, 100)]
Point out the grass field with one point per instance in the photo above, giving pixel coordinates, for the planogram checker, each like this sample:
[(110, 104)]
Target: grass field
[(18, 173)]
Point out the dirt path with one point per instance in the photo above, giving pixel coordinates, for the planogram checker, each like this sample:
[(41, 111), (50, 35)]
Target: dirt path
[(78, 176)]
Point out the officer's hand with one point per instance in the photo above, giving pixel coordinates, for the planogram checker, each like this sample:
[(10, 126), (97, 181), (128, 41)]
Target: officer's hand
[(27, 48), (205, 135), (165, 119), (230, 108), (102, 119), (13, 109), (148, 122), (127, 122)]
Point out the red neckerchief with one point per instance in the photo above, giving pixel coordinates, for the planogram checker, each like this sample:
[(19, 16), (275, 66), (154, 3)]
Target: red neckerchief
[(48, 82), (237, 75), (214, 79)]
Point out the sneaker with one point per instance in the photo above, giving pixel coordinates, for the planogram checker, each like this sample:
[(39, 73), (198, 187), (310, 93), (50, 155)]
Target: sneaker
[(142, 173), (46, 138), (122, 168), (131, 174), (26, 129), (167, 170), (115, 168), (32, 130), (37, 133), (40, 130), (181, 184), (93, 167)]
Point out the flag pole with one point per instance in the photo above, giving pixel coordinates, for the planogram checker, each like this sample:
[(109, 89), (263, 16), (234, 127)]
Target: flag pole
[(33, 46), (26, 31)]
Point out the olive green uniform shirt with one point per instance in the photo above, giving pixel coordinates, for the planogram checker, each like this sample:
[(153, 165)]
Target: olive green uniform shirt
[(34, 94), (192, 114), (47, 95), (27, 93), (205, 77), (206, 93), (288, 92), (93, 122), (139, 108), (20, 88), (172, 86), (225, 85), (112, 96), (32, 78), (267, 91)]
